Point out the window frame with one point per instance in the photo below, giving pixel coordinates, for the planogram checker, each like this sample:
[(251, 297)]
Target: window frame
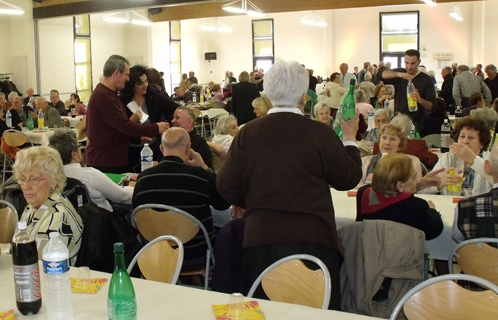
[(83, 36), (256, 58), (179, 42)]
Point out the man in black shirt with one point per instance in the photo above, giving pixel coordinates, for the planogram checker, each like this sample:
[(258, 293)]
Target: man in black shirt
[(447, 89), (425, 93), (57, 103)]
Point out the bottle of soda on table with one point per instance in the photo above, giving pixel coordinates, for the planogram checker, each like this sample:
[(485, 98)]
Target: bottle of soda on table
[(58, 301), (445, 136), (8, 119), (121, 301), (31, 123), (26, 271)]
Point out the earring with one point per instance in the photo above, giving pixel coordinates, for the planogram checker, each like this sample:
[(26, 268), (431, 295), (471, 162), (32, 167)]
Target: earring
[(51, 190)]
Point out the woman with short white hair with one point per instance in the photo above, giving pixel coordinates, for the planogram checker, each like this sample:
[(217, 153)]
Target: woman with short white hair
[(322, 113), (226, 128)]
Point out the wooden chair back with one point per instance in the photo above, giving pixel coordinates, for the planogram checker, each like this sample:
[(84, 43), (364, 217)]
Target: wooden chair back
[(15, 138), (159, 262), (293, 282), (479, 259), (447, 300), (152, 224), (8, 224), (66, 123)]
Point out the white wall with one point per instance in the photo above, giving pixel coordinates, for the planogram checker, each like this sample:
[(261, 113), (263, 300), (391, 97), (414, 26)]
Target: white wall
[(352, 36)]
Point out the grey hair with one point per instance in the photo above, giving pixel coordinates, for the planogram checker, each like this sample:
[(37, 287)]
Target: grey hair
[(42, 99), (368, 76), (389, 89), (490, 68), (115, 62), (463, 68), (403, 121), (64, 141), (12, 95), (188, 111), (360, 96), (488, 115), (286, 83), (383, 112), (222, 124), (448, 69), (2, 94), (430, 73), (319, 106)]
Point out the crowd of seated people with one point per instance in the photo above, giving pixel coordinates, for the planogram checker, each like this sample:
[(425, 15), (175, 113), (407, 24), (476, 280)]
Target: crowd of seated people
[(387, 179)]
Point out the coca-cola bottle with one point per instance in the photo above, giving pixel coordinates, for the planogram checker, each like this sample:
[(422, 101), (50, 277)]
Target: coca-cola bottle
[(26, 271)]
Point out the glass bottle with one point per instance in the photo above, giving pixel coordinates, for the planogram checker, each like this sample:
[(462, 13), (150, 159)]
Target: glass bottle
[(121, 301), (347, 108)]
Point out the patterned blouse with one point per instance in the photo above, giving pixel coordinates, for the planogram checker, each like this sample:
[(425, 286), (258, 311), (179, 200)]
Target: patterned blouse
[(56, 214)]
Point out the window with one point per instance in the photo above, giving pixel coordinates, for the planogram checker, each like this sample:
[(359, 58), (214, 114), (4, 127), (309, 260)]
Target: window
[(263, 48), (82, 57), (399, 31), (175, 54)]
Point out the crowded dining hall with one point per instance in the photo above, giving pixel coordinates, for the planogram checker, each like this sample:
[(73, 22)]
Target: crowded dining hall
[(248, 160)]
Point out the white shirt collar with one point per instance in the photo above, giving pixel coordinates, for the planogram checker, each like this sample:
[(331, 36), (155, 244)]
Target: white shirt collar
[(495, 185), (285, 109)]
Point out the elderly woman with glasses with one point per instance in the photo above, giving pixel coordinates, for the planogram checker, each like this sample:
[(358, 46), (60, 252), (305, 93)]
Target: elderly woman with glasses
[(40, 173)]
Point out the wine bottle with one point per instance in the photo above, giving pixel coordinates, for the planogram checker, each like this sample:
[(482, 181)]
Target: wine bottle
[(347, 108)]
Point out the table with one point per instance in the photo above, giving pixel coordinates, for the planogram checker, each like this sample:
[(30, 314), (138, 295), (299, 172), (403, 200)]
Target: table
[(160, 301), (73, 121), (41, 137), (439, 248)]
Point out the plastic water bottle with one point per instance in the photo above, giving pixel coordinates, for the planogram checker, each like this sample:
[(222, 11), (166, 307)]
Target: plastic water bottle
[(55, 258), (8, 119), (412, 132), (371, 120), (194, 97), (412, 103), (26, 271), (146, 157), (445, 136), (41, 122), (386, 103)]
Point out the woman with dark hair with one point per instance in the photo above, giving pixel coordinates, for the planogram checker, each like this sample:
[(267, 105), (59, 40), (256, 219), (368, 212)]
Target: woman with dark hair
[(472, 138), (156, 81), (80, 108), (431, 124), (154, 108), (380, 97)]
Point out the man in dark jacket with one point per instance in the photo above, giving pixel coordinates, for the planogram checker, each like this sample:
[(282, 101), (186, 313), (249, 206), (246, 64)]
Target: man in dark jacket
[(447, 90)]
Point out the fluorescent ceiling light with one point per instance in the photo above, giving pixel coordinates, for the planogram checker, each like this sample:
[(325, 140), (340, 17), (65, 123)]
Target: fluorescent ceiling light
[(215, 25), (456, 13), (126, 17), (8, 8), (431, 3), (314, 20), (246, 6)]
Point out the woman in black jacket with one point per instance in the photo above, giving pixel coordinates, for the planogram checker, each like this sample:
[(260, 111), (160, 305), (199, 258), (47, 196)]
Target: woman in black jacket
[(243, 93), (154, 107)]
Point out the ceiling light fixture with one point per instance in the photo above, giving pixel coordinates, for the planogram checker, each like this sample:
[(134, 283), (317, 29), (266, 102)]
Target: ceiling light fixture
[(246, 7), (431, 3), (215, 25), (456, 13), (126, 17), (8, 8), (314, 20)]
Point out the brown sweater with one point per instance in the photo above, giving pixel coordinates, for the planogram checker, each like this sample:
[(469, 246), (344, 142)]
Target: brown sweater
[(110, 131), (279, 169)]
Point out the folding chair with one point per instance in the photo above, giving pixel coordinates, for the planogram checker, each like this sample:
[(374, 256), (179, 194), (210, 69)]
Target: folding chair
[(158, 261), (8, 222), (289, 280), (76, 192), (443, 299), (169, 220), (476, 257), (12, 138)]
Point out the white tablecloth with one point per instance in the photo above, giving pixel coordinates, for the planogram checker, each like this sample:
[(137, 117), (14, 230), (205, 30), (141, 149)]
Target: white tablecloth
[(159, 301), (73, 121), (440, 248), (211, 113), (41, 137)]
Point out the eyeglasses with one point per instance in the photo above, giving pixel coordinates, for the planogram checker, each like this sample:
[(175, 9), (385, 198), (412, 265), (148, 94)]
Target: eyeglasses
[(30, 181)]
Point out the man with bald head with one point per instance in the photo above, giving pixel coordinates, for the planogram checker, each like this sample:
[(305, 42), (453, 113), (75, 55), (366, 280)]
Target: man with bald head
[(182, 180), (29, 98)]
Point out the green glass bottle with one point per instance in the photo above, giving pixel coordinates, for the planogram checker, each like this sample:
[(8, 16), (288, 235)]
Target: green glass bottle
[(347, 108), (30, 122), (121, 301), (377, 105)]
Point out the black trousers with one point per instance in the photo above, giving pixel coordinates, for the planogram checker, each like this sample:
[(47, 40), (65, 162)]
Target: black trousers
[(257, 259)]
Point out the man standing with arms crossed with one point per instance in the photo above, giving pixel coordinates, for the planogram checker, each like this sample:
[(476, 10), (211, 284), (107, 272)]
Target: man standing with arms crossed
[(109, 130), (425, 94)]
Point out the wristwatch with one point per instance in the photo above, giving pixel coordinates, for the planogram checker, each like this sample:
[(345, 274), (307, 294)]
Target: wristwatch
[(474, 160)]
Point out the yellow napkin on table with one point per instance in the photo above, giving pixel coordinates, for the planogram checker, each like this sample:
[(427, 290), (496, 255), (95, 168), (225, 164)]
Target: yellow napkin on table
[(97, 284), (253, 310), (7, 315)]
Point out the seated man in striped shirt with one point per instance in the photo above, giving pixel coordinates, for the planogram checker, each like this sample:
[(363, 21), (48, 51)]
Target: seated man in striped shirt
[(184, 181)]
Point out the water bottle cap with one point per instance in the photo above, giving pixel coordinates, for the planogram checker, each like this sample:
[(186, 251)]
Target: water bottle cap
[(54, 235), (146, 145), (22, 225), (118, 247)]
